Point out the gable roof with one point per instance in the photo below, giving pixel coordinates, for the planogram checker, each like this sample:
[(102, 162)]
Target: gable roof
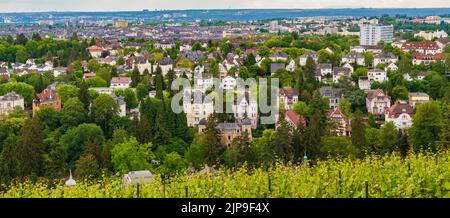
[(399, 108), (276, 66), (375, 93), (295, 118)]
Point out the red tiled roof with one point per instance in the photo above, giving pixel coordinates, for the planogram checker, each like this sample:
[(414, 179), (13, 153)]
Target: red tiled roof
[(295, 118), (420, 45), (88, 75), (121, 80), (421, 56), (47, 95), (375, 93), (95, 48), (337, 111), (399, 108)]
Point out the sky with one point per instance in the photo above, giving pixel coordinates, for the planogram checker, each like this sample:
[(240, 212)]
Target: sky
[(138, 5)]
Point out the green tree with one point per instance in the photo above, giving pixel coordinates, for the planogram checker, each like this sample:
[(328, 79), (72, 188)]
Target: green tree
[(263, 148), (314, 134), (388, 139), (73, 113), (309, 73), (195, 155), (159, 83), (103, 108), (93, 65), (74, 140), (87, 167), (346, 107), (66, 91), (161, 134), (445, 133), (427, 126), (172, 164), (283, 142), (21, 39), (404, 65), (338, 147), (23, 89), (135, 77), (49, 117), (36, 37), (39, 84), (141, 129), (56, 166), (359, 132), (239, 151), (96, 82), (250, 60), (129, 97), (130, 155), (141, 91), (368, 59), (29, 151), (212, 147), (83, 95), (400, 93), (301, 108), (105, 74)]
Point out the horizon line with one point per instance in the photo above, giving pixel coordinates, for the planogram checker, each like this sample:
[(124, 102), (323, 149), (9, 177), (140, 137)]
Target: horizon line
[(212, 9)]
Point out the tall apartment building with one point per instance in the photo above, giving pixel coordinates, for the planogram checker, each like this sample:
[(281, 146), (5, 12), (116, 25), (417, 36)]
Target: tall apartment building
[(373, 34)]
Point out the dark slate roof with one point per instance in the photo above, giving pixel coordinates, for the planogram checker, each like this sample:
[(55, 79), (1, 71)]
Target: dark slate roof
[(330, 92), (276, 66)]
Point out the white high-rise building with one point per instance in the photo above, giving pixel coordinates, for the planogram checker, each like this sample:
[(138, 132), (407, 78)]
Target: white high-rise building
[(373, 34)]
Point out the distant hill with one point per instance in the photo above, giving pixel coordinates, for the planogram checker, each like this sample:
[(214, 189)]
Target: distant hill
[(222, 14)]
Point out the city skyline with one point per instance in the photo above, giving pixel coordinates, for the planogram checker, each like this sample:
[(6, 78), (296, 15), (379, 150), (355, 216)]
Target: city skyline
[(138, 5)]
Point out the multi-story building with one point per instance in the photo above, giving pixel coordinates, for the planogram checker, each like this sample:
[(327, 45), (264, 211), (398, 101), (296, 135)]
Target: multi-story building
[(305, 57), (373, 34), (120, 82), (10, 101), (377, 75), (364, 83), (46, 97), (334, 95), (229, 131), (422, 47), (426, 59), (288, 96), (324, 69), (340, 123), (203, 81), (246, 107), (384, 58), (95, 51), (339, 72), (431, 35), (416, 98), (197, 106), (400, 114), (165, 64), (229, 83), (354, 57), (377, 102)]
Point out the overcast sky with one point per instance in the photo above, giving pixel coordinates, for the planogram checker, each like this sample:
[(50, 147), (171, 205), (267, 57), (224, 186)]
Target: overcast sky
[(137, 5)]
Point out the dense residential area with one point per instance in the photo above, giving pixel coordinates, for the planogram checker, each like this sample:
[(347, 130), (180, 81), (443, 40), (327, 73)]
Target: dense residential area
[(84, 102)]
